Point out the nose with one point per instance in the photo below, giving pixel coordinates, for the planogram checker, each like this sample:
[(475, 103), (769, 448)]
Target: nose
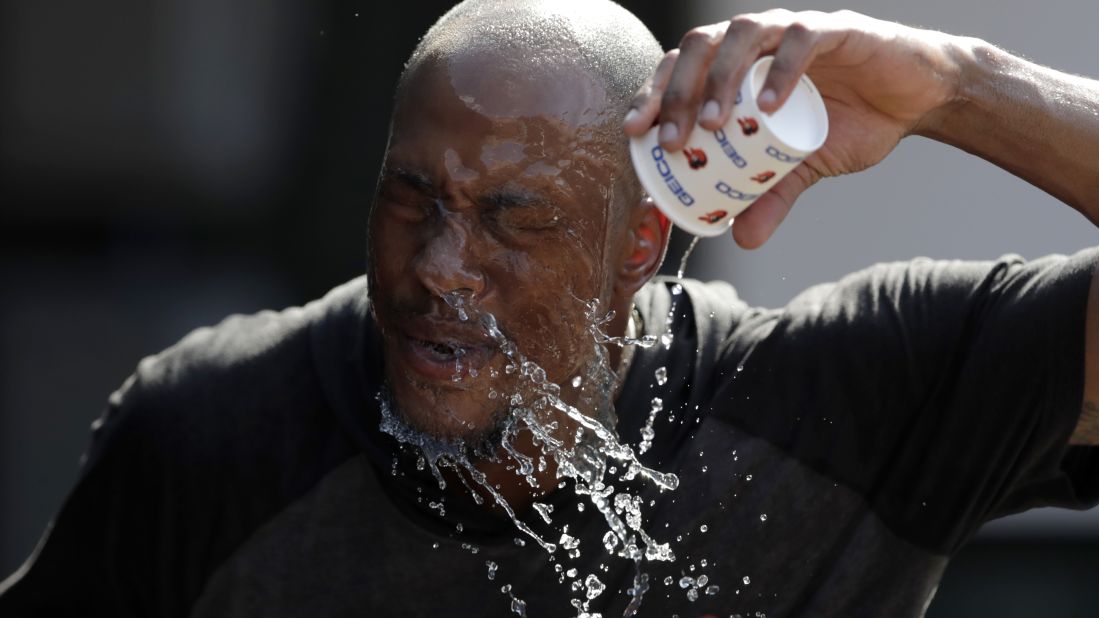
[(447, 262)]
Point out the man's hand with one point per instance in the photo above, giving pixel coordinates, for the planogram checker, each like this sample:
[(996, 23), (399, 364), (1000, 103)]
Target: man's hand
[(880, 81)]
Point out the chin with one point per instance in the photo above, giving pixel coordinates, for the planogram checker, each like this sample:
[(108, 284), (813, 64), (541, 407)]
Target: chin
[(449, 415)]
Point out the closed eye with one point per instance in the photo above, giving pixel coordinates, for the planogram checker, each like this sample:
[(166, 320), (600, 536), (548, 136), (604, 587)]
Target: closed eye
[(408, 195), (522, 210)]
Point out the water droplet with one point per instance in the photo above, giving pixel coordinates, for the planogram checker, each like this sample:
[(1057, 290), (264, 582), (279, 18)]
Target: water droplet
[(749, 477), (739, 368), (692, 595), (703, 563), (702, 581), (677, 290), (569, 542), (571, 572), (686, 582), (763, 516), (544, 510), (747, 580), (661, 375), (669, 580), (491, 569), (594, 586), (712, 590), (704, 528), (576, 382)]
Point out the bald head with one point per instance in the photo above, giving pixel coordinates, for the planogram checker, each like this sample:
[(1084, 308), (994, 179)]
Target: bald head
[(580, 61), (598, 37)]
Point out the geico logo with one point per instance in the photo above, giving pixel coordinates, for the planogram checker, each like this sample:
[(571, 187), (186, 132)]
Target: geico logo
[(725, 189), (669, 178), (782, 156), (727, 148)]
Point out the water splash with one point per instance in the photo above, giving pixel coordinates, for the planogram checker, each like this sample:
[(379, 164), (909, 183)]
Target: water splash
[(594, 452)]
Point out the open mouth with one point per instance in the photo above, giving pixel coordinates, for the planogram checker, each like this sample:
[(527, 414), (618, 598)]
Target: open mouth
[(443, 359), (442, 351)]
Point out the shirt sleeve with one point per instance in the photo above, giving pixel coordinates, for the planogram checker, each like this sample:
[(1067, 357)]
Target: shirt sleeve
[(199, 448), (84, 564), (943, 392)]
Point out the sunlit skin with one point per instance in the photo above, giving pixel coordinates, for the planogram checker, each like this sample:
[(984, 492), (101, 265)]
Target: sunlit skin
[(495, 190)]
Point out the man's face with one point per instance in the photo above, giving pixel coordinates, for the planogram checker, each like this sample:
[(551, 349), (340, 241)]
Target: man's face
[(497, 188)]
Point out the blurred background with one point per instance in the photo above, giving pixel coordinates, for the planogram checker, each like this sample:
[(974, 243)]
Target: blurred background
[(164, 163)]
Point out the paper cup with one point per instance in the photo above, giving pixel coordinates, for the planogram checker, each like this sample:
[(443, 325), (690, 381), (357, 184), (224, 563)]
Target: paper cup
[(720, 173)]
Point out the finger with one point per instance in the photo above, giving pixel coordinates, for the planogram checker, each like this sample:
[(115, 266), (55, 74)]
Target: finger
[(746, 39), (679, 106), (645, 105), (753, 227), (801, 45)]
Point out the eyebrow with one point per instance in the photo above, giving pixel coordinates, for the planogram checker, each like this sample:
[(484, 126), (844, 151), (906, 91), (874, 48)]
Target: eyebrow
[(508, 196)]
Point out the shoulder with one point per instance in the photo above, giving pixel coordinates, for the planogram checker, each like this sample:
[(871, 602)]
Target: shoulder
[(267, 341), (201, 446), (234, 380)]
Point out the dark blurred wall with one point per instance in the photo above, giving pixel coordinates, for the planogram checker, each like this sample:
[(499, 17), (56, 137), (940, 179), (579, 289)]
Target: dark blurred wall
[(164, 164)]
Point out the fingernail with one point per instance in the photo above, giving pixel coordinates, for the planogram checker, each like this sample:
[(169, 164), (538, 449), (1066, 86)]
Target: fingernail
[(711, 111), (631, 115), (767, 98), (668, 132)]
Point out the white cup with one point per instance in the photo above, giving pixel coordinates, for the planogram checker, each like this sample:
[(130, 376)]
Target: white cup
[(720, 173)]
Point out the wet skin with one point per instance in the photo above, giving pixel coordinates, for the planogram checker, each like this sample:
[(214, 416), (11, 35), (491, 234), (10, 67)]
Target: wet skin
[(493, 190)]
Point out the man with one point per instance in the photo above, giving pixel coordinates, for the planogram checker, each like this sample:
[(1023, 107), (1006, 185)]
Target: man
[(360, 457)]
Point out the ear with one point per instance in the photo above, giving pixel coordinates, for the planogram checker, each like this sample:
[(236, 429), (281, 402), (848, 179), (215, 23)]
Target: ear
[(646, 244)]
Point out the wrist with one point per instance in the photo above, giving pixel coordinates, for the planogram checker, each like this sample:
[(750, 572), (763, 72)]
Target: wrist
[(968, 63)]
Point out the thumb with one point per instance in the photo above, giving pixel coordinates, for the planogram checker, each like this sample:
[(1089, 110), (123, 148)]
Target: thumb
[(754, 226)]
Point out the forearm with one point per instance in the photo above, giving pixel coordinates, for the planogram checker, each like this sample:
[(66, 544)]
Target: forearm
[(1037, 123)]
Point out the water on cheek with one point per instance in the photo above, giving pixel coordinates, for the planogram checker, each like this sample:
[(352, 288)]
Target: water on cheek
[(594, 459)]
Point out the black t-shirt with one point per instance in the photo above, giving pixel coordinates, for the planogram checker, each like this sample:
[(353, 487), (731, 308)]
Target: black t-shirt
[(832, 455)]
